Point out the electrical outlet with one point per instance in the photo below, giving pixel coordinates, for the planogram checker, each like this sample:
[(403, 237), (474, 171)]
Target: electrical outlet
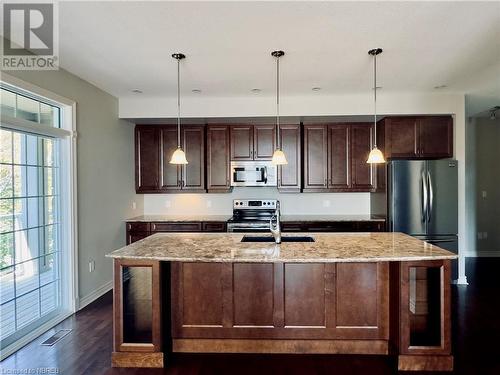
[(134, 205), (485, 235), (91, 265), (326, 203), (484, 194), (167, 204), (479, 235), (209, 204)]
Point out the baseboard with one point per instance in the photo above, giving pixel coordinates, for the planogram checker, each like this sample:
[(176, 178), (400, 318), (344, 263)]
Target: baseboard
[(91, 297), (483, 254)]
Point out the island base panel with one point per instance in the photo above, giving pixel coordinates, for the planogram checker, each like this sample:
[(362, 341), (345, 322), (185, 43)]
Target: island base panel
[(425, 363), (137, 359), (259, 346)]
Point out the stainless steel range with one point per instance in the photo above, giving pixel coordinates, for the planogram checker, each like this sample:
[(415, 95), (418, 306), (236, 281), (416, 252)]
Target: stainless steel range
[(252, 215)]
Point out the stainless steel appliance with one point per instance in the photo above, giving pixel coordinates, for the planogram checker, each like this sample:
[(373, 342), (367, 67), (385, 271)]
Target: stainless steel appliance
[(252, 215), (253, 173), (423, 201)]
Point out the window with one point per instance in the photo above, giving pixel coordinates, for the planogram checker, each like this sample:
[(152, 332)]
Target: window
[(35, 238)]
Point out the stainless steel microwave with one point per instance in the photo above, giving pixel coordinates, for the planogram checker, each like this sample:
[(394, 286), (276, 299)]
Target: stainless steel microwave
[(253, 173)]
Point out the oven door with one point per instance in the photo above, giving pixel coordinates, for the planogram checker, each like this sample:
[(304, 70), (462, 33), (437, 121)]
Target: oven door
[(248, 227)]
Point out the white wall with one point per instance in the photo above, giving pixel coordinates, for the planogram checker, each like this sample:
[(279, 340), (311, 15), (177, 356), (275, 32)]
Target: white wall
[(221, 204), (487, 154), (105, 173)]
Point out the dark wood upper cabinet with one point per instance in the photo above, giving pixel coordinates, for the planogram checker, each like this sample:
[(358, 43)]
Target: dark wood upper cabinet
[(193, 173), (361, 143), (264, 142), (170, 173), (436, 136), (154, 147), (252, 142), (289, 176), (147, 159), (242, 142), (422, 137), (339, 159), (315, 157), (401, 137), (218, 159)]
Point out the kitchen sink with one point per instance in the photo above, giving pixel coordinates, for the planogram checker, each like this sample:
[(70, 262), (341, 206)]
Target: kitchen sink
[(247, 238)]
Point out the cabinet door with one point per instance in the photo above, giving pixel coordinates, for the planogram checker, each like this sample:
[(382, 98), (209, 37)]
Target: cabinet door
[(339, 159), (289, 175), (147, 159), (264, 142), (171, 173), (218, 159), (193, 173), (402, 137), (242, 142), (436, 137), (315, 157), (361, 143)]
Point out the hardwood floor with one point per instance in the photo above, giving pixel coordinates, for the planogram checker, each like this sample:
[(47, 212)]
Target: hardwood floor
[(87, 350)]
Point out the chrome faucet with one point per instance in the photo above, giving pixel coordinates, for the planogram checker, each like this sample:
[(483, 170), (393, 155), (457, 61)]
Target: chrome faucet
[(274, 224)]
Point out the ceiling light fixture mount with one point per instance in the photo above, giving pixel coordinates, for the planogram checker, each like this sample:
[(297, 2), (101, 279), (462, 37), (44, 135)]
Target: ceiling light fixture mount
[(279, 157), (316, 88), (178, 157), (375, 156)]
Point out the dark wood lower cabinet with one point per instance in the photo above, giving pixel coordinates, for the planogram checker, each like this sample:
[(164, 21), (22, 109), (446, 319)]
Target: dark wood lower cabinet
[(397, 308), (322, 301)]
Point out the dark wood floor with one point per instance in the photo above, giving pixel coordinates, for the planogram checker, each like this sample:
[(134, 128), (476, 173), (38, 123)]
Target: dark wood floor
[(87, 350)]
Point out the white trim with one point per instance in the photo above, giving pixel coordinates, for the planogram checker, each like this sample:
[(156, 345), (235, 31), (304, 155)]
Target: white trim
[(26, 339), (29, 89), (461, 281), (69, 213), (15, 123), (91, 297), (482, 254)]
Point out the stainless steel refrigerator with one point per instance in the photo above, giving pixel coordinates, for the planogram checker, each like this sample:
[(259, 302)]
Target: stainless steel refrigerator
[(423, 201)]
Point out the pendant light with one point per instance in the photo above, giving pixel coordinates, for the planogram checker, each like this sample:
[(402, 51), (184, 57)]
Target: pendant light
[(376, 156), (178, 157), (279, 157)]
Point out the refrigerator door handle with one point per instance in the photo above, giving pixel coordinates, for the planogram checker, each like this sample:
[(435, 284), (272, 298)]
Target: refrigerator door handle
[(424, 198), (431, 197)]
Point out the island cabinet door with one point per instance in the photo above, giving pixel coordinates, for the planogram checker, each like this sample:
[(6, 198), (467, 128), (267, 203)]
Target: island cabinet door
[(137, 314), (279, 301), (361, 301)]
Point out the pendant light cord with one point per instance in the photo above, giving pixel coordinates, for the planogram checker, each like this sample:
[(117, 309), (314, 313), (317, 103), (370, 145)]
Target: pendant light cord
[(278, 102), (375, 98), (178, 103)]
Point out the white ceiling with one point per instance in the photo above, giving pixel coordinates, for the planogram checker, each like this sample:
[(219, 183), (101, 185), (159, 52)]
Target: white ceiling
[(120, 46)]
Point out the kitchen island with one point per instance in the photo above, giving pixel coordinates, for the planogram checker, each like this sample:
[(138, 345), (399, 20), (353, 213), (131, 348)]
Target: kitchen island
[(344, 293)]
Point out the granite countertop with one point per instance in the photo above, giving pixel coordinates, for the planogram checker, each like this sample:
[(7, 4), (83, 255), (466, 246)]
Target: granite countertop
[(328, 248), (179, 218), (332, 218)]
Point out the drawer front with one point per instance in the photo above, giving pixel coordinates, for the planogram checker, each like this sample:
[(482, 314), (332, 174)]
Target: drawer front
[(214, 227), (371, 226), (330, 226), (176, 227), (137, 227), (292, 227), (136, 236)]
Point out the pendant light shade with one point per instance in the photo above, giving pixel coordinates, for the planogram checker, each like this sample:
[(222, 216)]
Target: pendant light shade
[(279, 157), (376, 156), (178, 157)]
